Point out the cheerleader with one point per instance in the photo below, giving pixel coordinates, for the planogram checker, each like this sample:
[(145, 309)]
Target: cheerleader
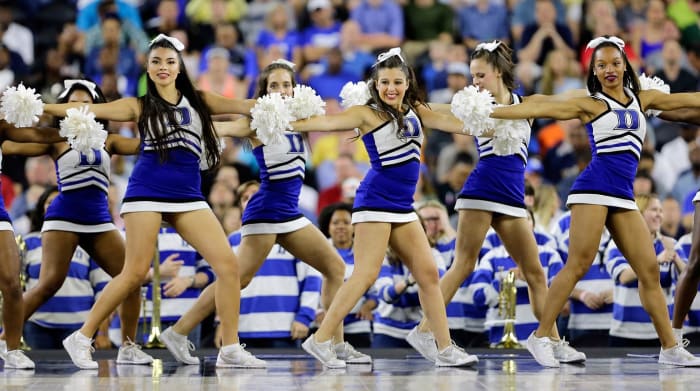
[(177, 140), (614, 116)]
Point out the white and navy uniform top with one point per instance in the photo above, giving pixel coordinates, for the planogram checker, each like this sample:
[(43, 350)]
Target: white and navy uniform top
[(597, 279), (5, 221), (630, 319), (353, 324), (485, 290), (462, 314), (175, 184), (83, 184), (172, 308), (497, 183), (386, 192), (616, 137), (274, 209), (692, 322), (70, 305), (397, 313), (283, 290)]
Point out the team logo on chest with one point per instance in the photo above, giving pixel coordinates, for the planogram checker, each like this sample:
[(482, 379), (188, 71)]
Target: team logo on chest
[(627, 119), (411, 127)]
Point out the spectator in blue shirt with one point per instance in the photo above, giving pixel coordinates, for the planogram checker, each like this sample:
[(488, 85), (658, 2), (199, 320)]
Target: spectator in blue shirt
[(381, 23)]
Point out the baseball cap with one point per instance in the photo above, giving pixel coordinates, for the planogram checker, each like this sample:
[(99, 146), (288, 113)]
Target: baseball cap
[(313, 5), (459, 68)]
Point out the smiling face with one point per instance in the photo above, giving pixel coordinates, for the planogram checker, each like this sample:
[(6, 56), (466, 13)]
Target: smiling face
[(653, 215), (484, 75), (391, 86), (163, 66), (340, 228), (609, 67), (280, 80)]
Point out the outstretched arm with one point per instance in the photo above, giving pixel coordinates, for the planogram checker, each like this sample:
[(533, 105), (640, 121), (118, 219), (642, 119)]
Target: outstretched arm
[(440, 120), (354, 117), (691, 116), (30, 135), (125, 109), (238, 128), (120, 145), (661, 101), (556, 109), (25, 149), (221, 105)]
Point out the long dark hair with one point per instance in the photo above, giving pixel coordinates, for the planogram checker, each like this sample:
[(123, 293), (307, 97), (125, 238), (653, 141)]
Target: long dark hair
[(37, 215), (78, 86), (412, 98), (156, 112), (324, 218), (629, 78), (501, 59)]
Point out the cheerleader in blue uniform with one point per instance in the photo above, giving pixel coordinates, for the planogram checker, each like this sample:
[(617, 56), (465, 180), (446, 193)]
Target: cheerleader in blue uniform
[(272, 216), (177, 139), (494, 196), (9, 257), (80, 216), (391, 127), (602, 194)]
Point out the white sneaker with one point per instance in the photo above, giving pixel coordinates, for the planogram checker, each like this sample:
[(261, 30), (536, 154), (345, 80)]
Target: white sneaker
[(454, 356), (564, 353), (235, 356), (323, 352), (679, 356), (179, 346), (3, 349), (424, 343), (79, 348), (16, 359), (542, 349), (346, 352), (131, 353)]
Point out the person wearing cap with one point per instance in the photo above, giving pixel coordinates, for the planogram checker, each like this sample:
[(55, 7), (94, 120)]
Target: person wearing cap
[(324, 32), (457, 79)]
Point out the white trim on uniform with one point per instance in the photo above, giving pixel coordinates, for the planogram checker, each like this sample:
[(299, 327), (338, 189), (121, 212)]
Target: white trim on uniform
[(369, 216), (274, 228), (6, 226), (164, 207), (599, 199), (61, 225), (490, 206)]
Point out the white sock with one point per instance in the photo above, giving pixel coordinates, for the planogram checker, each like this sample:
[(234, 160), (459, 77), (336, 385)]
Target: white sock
[(231, 348), (678, 333), (82, 338)]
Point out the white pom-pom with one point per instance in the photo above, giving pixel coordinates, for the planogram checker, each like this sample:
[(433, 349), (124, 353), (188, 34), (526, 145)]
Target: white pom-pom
[(270, 118), (305, 103), (82, 131), (473, 108), (653, 83), (354, 94), (21, 106), (509, 136)]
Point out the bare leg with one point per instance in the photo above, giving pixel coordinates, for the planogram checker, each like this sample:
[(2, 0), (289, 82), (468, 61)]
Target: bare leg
[(587, 223), (322, 257), (204, 233), (630, 233), (471, 231), (412, 247), (141, 238), (687, 286), (371, 241), (57, 249), (107, 249), (12, 310), (518, 239)]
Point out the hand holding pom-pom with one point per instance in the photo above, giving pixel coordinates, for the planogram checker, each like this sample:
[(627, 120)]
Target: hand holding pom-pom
[(305, 103), (82, 131), (473, 108), (21, 106), (270, 118), (653, 83), (354, 94)]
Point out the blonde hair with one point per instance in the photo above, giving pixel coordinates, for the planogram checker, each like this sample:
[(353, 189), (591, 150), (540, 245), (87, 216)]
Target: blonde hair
[(546, 204), (643, 200)]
